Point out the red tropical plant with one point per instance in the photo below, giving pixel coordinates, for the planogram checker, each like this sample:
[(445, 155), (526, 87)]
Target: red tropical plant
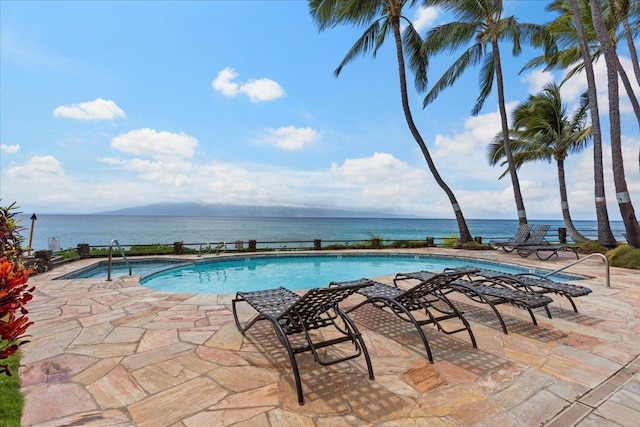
[(14, 295), (14, 292)]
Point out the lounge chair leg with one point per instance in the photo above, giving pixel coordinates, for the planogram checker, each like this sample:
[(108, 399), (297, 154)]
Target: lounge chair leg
[(358, 336), (292, 358), (413, 320)]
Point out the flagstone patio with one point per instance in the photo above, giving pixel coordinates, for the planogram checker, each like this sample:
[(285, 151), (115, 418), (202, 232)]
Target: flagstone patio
[(118, 354)]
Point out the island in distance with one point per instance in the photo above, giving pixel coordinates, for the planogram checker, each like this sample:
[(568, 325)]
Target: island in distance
[(244, 211)]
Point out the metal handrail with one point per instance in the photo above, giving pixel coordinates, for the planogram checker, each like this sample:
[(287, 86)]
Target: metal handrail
[(222, 246), (604, 258), (115, 242)]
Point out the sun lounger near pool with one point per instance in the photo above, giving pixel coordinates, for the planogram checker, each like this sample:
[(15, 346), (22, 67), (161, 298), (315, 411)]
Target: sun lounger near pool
[(292, 314), (532, 283), (509, 245), (425, 296), (551, 250), (486, 291)]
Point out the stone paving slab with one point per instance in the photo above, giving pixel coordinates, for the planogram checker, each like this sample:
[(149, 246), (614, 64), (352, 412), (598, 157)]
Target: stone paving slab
[(118, 354)]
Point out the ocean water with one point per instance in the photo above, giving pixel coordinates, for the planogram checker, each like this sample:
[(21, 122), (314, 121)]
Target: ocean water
[(99, 230)]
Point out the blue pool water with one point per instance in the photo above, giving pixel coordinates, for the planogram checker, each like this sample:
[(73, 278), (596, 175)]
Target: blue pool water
[(228, 276), (120, 268)]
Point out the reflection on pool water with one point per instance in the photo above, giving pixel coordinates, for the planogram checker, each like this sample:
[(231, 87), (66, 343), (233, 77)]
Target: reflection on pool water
[(230, 275), (120, 268)]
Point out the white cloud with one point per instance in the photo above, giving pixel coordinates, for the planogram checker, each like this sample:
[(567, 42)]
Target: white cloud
[(536, 80), (45, 169), (478, 133), (148, 142), (257, 90), (290, 138), (424, 17), (575, 86), (92, 110), (9, 148), (223, 83)]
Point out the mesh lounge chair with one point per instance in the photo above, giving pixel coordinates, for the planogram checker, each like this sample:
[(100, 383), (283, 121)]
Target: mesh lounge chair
[(544, 252), (425, 296), (487, 291), (292, 314), (534, 283), (537, 236), (538, 244), (509, 245)]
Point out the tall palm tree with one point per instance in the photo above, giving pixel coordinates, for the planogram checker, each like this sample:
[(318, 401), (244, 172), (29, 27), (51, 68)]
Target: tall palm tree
[(605, 235), (482, 26), (383, 17), (629, 15), (542, 130), (570, 33), (627, 212), (564, 29)]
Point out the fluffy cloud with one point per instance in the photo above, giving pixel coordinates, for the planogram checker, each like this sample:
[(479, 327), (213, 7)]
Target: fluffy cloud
[(424, 17), (37, 169), (92, 110), (148, 142), (256, 89), (536, 80), (9, 148), (290, 138)]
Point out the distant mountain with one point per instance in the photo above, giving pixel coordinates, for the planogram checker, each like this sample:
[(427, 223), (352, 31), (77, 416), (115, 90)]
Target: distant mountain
[(225, 210)]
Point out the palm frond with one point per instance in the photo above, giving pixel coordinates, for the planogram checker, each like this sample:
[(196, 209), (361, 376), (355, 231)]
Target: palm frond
[(418, 59), (366, 43), (450, 37), (487, 73), (468, 58), (324, 12)]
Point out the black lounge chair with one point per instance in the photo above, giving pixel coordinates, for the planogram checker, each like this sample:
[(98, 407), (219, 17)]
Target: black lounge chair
[(537, 236), (425, 296), (533, 283), (544, 252), (487, 291), (509, 245), (290, 313)]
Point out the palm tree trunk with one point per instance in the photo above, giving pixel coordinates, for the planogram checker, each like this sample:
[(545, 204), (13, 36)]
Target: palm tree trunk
[(605, 235), (632, 49), (515, 183), (627, 85), (564, 203), (465, 235), (627, 212), (632, 96)]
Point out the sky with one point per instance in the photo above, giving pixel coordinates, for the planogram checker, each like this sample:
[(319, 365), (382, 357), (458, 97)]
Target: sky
[(107, 105)]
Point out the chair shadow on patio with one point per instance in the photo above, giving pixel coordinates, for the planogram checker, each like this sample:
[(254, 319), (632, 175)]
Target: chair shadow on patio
[(261, 348), (446, 348)]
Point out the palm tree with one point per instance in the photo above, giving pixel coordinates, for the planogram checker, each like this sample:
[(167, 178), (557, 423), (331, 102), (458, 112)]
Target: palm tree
[(482, 27), (543, 131), (564, 29), (383, 17), (627, 11), (569, 30), (627, 212)]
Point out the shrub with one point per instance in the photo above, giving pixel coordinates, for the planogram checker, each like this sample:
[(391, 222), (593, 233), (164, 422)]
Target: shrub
[(10, 239), (624, 256), (592, 246), (450, 241)]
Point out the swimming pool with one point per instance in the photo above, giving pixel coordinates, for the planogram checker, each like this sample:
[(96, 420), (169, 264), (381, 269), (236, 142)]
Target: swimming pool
[(120, 268), (232, 274)]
